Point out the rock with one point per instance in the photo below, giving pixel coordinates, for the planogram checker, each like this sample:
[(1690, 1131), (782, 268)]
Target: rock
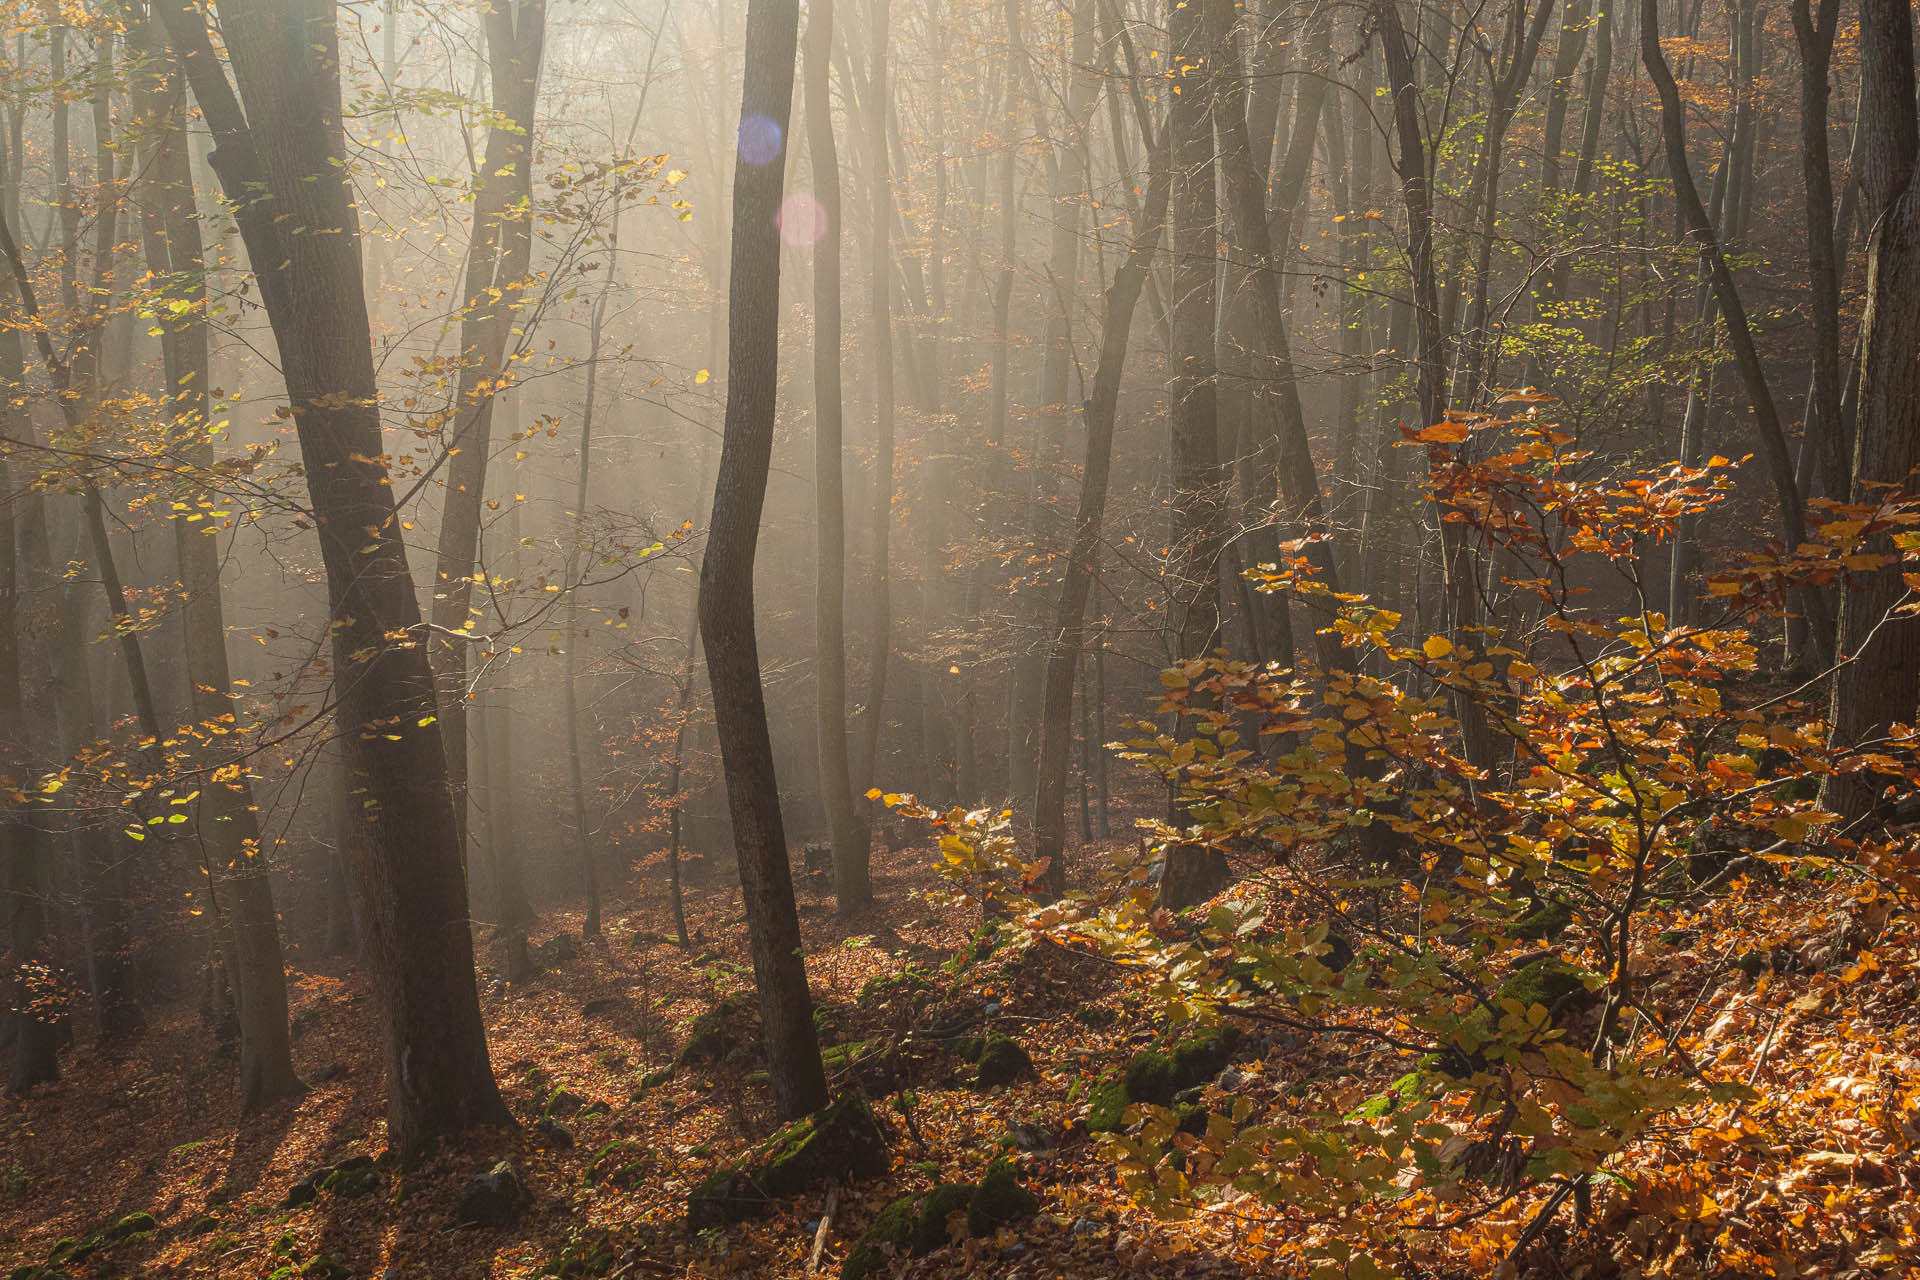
[(841, 1141), (556, 952), (134, 1224), (914, 1224), (1030, 1137), (1087, 1227), (493, 1199), (200, 1226), (1002, 1061), (598, 1107), (553, 1135), (999, 1200), (563, 1102), (1160, 1076), (1233, 1080)]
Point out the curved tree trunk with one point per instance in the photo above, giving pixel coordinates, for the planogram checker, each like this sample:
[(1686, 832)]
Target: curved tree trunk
[(726, 571)]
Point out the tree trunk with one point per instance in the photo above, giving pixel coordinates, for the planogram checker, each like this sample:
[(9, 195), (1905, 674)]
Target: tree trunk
[(1197, 43), (227, 819), (494, 294), (726, 571), (852, 888), (1068, 632), (1773, 440), (276, 158), (1880, 681)]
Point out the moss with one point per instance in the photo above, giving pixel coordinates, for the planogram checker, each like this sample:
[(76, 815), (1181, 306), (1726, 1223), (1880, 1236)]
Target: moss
[(1158, 1076), (201, 1225), (844, 1140), (71, 1250), (893, 1226), (930, 1228), (967, 1048), (999, 1200), (1149, 1078), (841, 1141), (1199, 1058), (1551, 983), (584, 1255), (715, 1033), (1002, 1061), (352, 1183), (1107, 1112), (133, 1224), (1546, 920), (325, 1268), (908, 982)]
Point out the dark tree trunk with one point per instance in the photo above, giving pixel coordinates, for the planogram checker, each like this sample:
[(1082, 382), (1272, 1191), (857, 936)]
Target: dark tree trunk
[(726, 571), (1880, 681), (275, 155), (1197, 42)]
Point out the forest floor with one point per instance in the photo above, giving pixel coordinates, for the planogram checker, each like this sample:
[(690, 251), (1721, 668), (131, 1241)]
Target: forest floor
[(155, 1127), (1824, 1172)]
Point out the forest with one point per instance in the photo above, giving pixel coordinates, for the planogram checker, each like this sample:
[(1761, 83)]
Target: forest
[(1036, 638)]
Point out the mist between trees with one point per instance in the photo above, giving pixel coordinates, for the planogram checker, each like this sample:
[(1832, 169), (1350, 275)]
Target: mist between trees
[(1290, 492)]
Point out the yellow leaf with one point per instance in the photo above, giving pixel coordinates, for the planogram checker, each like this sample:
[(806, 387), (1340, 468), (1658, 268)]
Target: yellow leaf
[(703, 377), (1437, 647)]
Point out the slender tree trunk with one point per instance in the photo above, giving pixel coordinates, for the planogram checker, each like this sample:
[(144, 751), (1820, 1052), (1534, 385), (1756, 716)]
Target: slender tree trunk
[(493, 296), (227, 819), (852, 888), (726, 572), (1773, 440), (1068, 632), (1197, 42), (873, 719)]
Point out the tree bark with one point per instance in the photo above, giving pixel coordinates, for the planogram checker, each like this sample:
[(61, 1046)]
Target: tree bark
[(276, 159), (1879, 683), (726, 571)]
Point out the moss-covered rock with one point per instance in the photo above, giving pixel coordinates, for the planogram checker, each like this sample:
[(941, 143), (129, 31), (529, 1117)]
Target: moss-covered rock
[(1551, 983), (913, 1225), (930, 1229), (841, 1141), (1106, 1112), (1546, 920), (134, 1224), (1157, 1076), (1002, 1061), (717, 1032), (999, 1200), (891, 1228), (351, 1180)]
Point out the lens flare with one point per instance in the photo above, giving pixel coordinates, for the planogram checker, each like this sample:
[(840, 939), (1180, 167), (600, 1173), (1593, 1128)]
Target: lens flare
[(802, 220), (760, 139)]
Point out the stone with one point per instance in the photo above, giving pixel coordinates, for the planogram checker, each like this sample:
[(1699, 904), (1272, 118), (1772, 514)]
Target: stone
[(841, 1141), (553, 1135), (1002, 1061), (494, 1198), (999, 1200)]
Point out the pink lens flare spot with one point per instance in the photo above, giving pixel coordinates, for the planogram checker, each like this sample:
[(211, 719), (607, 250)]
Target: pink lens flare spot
[(802, 220)]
